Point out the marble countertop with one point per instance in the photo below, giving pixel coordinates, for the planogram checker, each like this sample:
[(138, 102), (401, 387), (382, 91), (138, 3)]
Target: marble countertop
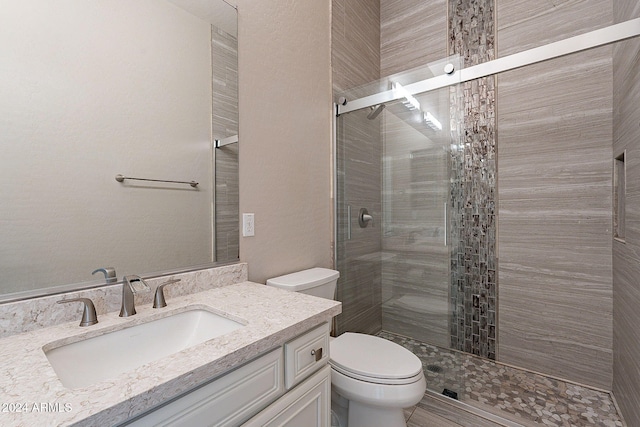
[(31, 393)]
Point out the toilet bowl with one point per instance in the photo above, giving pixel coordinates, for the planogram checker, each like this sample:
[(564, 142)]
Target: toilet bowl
[(378, 378), (375, 378)]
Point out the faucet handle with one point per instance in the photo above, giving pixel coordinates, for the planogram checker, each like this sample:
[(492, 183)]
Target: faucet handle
[(89, 316), (109, 274), (158, 299)]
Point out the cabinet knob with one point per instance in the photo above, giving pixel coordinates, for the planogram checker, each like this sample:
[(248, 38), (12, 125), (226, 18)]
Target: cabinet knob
[(317, 353)]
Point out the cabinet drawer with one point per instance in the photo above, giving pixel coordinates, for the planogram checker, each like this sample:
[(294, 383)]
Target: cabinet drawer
[(226, 401), (307, 405), (306, 354)]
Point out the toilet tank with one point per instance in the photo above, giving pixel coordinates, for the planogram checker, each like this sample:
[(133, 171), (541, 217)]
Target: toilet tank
[(319, 282)]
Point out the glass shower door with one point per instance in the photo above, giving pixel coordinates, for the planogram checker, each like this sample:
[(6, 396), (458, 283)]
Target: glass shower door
[(393, 159)]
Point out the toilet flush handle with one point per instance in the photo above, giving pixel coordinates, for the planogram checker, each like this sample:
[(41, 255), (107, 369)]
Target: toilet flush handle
[(317, 353)]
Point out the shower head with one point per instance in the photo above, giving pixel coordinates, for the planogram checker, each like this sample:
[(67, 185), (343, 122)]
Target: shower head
[(375, 111)]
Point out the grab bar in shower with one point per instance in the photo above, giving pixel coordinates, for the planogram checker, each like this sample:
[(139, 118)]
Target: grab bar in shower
[(121, 178)]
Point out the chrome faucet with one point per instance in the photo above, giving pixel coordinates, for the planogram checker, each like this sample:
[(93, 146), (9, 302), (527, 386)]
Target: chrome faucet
[(131, 285), (109, 274)]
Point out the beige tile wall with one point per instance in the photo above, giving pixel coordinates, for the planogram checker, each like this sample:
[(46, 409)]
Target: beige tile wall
[(356, 62), (554, 182), (355, 41), (626, 256), (555, 217), (524, 24), (412, 33)]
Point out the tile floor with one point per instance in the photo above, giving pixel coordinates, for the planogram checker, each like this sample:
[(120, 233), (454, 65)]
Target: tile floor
[(508, 396)]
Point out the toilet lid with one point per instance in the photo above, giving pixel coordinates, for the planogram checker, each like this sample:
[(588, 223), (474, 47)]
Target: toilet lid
[(373, 357)]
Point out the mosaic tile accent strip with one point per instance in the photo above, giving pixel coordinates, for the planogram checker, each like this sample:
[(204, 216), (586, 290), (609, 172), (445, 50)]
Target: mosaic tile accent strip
[(473, 184), (520, 396)]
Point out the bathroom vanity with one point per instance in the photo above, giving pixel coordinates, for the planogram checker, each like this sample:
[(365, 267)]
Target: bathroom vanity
[(272, 367), (291, 376)]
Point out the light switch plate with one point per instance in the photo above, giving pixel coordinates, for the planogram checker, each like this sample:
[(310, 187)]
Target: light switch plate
[(248, 225)]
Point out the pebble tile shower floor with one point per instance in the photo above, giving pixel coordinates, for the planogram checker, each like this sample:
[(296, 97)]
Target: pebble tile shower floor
[(523, 397)]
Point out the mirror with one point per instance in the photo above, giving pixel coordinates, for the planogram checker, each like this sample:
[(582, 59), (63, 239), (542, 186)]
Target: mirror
[(96, 88)]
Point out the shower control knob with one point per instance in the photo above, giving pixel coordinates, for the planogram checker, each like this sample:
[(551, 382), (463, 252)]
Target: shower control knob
[(364, 218)]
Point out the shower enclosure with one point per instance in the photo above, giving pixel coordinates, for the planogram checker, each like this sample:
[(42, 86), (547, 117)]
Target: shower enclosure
[(416, 209), (398, 164)]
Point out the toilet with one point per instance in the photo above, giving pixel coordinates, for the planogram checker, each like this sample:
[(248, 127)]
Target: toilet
[(372, 379)]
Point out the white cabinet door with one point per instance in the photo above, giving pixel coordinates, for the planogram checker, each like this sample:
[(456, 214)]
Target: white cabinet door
[(226, 401), (305, 355), (307, 405)]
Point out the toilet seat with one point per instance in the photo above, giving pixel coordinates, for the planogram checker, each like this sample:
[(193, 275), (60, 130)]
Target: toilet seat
[(373, 359)]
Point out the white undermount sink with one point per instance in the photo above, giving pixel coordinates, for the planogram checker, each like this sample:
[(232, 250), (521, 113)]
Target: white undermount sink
[(95, 359)]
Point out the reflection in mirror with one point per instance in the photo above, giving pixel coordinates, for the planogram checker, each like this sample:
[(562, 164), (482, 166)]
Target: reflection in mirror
[(92, 89), (225, 136)]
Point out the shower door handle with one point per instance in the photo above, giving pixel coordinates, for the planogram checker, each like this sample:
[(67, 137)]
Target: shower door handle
[(348, 222), (446, 224)]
